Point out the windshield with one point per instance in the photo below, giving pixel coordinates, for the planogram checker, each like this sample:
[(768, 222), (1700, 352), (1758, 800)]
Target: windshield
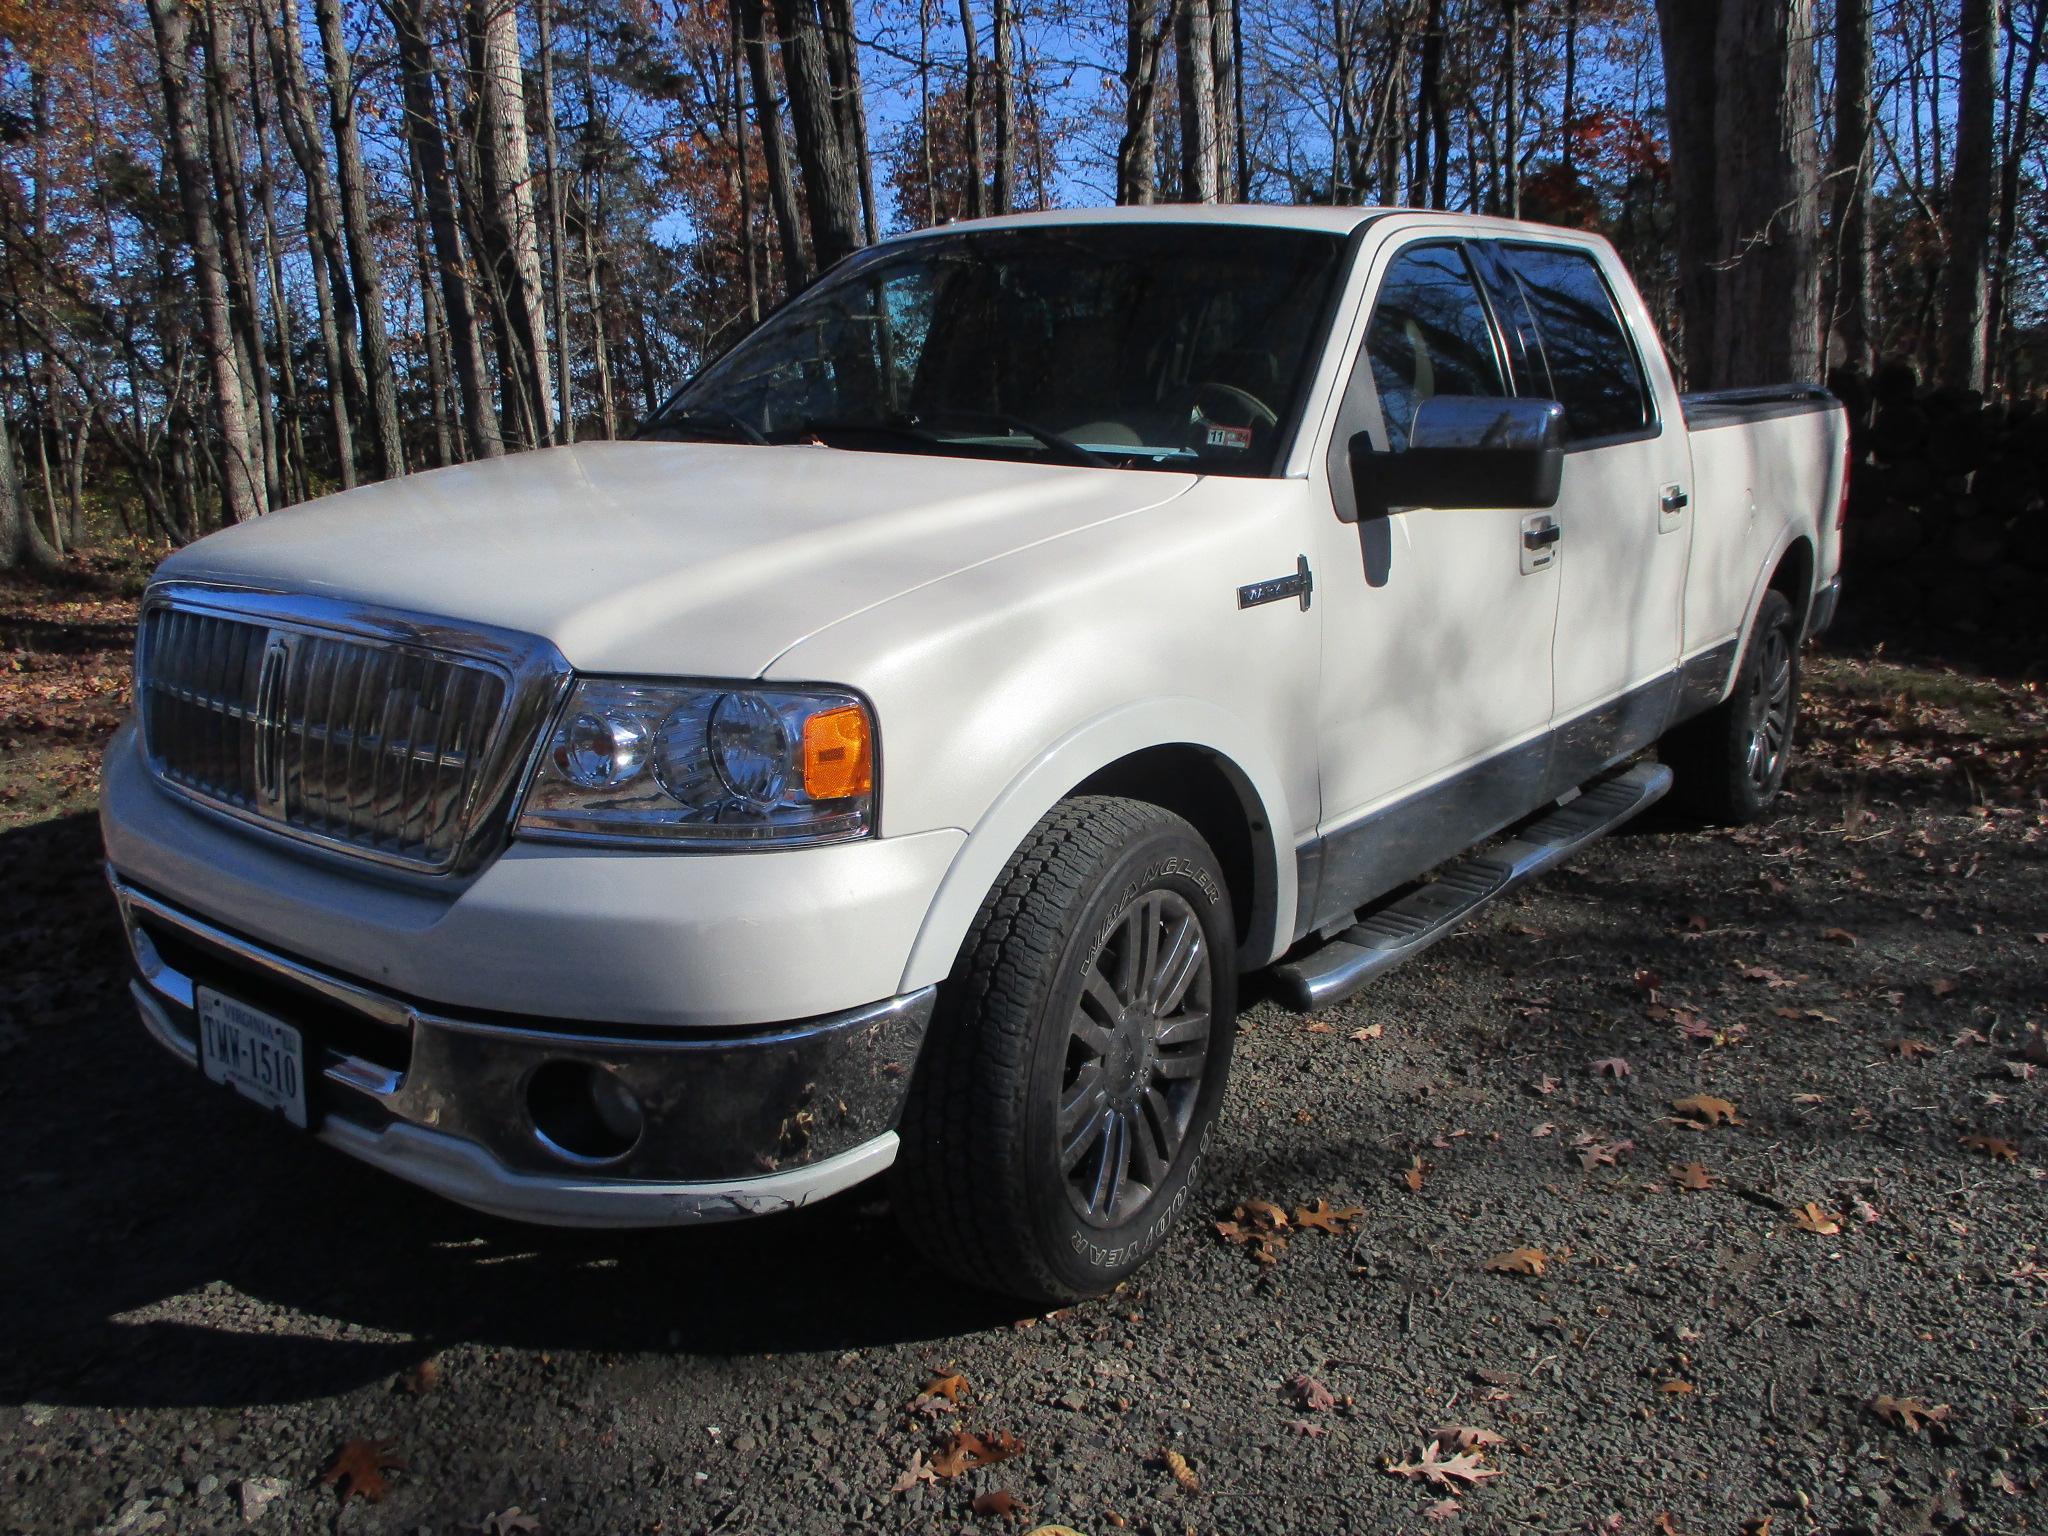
[(1155, 346)]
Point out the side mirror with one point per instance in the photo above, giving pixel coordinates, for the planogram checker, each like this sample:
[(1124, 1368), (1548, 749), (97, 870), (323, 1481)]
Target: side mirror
[(1465, 451)]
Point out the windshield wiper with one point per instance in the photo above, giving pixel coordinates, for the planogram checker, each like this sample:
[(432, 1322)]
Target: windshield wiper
[(1065, 447), (706, 421)]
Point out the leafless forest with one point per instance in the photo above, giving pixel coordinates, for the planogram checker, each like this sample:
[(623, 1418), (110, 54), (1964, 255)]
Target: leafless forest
[(250, 255)]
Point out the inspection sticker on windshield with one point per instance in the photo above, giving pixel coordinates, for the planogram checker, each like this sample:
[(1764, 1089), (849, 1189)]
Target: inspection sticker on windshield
[(1221, 436)]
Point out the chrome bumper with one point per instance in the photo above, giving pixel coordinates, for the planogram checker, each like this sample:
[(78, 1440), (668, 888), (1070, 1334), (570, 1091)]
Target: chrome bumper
[(735, 1123)]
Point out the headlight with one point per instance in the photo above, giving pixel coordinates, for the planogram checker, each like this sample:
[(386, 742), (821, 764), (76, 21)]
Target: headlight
[(707, 765)]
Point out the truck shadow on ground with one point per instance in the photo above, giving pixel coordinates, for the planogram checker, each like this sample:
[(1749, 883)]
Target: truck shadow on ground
[(156, 1220)]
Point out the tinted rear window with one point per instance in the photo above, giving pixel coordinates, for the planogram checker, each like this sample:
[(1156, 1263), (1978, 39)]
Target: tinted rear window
[(1583, 345)]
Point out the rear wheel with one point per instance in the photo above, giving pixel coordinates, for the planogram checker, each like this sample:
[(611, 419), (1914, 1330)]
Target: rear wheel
[(1078, 1057), (1729, 762)]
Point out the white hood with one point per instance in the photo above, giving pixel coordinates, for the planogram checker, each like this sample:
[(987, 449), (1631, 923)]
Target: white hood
[(699, 559)]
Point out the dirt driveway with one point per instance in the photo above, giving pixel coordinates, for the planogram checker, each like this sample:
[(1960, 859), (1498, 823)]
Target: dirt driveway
[(198, 1311)]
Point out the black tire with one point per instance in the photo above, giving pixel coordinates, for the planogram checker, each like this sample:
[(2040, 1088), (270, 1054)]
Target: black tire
[(1094, 907), (1726, 764)]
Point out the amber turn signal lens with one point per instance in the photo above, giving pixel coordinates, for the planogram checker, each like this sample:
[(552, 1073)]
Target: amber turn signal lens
[(839, 759)]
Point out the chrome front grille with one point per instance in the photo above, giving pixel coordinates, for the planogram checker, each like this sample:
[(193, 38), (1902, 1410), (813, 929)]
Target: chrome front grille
[(358, 736)]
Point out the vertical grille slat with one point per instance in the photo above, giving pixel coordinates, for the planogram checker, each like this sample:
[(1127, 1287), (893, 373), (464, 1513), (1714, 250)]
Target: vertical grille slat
[(378, 747)]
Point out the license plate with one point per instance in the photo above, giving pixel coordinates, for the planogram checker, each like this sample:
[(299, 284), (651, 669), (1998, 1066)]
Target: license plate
[(260, 1057)]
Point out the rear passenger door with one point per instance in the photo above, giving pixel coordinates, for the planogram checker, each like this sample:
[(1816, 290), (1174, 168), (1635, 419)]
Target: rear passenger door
[(1624, 506)]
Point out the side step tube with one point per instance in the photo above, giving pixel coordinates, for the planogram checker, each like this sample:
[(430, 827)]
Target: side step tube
[(1406, 925)]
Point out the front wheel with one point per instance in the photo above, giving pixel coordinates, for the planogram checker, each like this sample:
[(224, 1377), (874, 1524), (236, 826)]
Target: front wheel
[(1729, 762), (1077, 1060)]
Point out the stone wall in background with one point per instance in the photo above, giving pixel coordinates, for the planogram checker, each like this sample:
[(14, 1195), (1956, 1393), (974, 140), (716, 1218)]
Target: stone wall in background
[(1948, 527)]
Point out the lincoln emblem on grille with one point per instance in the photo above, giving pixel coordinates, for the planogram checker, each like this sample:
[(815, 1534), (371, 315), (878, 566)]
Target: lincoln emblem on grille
[(271, 723)]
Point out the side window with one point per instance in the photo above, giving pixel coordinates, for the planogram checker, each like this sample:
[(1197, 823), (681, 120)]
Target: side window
[(1592, 365), (1429, 336)]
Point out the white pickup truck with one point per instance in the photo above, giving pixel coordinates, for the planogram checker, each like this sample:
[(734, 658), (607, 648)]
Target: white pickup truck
[(893, 757)]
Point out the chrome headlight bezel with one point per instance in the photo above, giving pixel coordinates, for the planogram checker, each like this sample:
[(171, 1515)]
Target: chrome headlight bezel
[(700, 764)]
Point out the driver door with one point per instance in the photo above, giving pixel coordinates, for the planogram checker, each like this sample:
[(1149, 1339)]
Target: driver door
[(1436, 687)]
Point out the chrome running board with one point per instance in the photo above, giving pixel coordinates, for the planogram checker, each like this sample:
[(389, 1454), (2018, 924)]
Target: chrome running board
[(1405, 925)]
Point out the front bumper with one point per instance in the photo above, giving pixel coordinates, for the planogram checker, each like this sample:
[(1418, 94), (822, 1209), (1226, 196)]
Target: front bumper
[(734, 1122)]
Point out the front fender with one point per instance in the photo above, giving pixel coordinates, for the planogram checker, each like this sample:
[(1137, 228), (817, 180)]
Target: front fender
[(1084, 751)]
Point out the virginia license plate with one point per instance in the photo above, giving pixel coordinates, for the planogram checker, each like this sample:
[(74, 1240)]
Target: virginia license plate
[(260, 1057)]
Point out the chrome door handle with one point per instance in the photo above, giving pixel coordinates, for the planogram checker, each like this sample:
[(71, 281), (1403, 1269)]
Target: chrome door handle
[(1674, 499)]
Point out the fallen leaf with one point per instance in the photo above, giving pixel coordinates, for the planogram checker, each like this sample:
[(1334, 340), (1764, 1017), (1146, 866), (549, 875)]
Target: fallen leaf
[(1518, 1261), (1707, 1109), (1324, 1217), (1467, 1437), (966, 1451), (998, 1502), (1943, 986), (1758, 1527), (952, 1386), (1910, 1049), (919, 1471), (1442, 1509), (1811, 1218), (1318, 1028), (508, 1522), (1525, 931), (1266, 1211), (1648, 981), (358, 1468), (1417, 1172), (1303, 1427), (1311, 1394), (1547, 1128), (1370, 1032), (1545, 1085), (1909, 1413), (1675, 1388), (1439, 1472), (422, 1378), (1994, 1147), (1864, 1211), (1839, 936), (1694, 1176), (1603, 1154), (1183, 1474), (1664, 1525)]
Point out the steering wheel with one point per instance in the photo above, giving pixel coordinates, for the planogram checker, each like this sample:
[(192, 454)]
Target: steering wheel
[(1223, 406)]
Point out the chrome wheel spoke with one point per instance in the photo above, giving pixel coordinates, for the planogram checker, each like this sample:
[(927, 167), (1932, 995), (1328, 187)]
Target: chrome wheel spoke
[(1092, 1116), (1180, 1066), (1157, 1141), (1114, 1168), (1180, 965), (1185, 1029)]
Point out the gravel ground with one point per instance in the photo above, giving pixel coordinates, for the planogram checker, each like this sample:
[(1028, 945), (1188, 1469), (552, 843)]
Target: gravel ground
[(198, 1311)]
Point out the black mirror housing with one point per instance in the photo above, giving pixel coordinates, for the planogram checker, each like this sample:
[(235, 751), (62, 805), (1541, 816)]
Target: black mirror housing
[(1466, 451)]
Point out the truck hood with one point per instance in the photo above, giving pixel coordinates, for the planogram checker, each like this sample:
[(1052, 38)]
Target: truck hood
[(666, 558)]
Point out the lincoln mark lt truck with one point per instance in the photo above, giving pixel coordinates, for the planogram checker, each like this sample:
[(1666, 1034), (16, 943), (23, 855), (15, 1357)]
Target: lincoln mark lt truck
[(892, 758)]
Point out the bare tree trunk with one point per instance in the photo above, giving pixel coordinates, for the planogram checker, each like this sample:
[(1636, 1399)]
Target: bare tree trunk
[(1511, 133), (1006, 110), (449, 447), (242, 485), (1195, 76), (364, 268), (232, 208), (749, 253), (830, 176), (1968, 214), (423, 129), (1743, 139), (843, 54), (796, 263), (346, 385), (1852, 183), (558, 237), (293, 439), (1229, 92), (2019, 112), (1570, 114), (507, 165), (977, 184), (1145, 28)]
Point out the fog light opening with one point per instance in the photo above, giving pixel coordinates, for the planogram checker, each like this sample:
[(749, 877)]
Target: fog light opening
[(582, 1112)]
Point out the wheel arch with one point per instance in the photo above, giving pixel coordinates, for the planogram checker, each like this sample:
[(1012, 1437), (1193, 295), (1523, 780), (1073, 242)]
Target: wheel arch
[(1183, 755)]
